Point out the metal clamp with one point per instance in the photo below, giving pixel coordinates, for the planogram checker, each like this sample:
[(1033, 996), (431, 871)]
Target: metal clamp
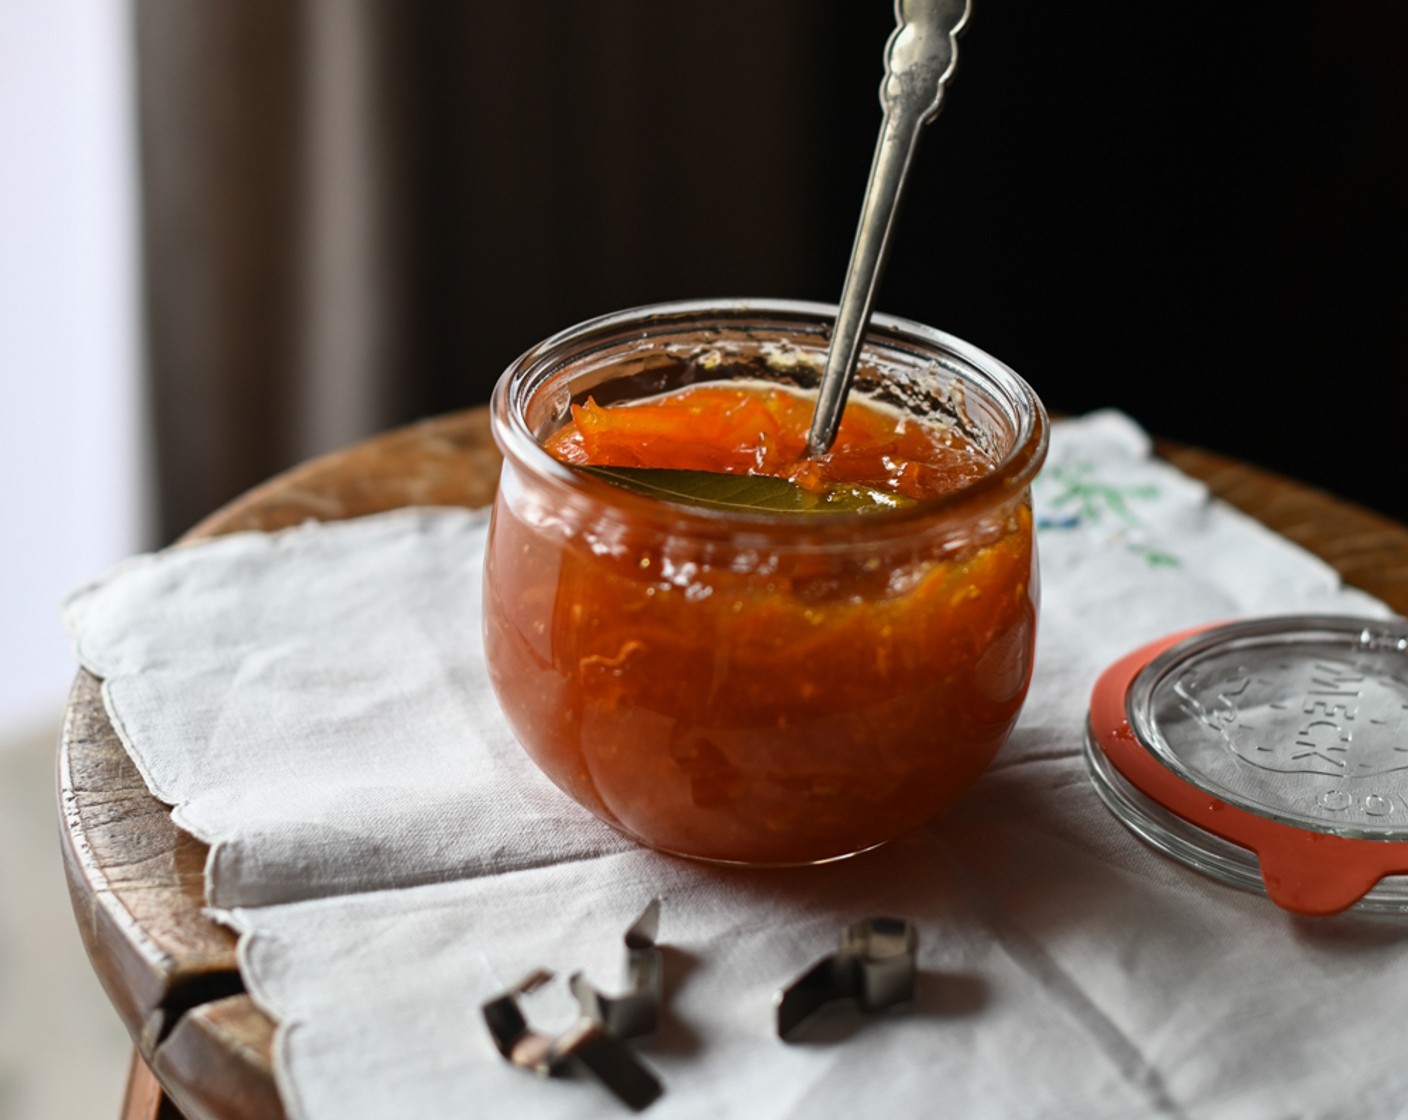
[(595, 1040), (875, 967), (637, 1012)]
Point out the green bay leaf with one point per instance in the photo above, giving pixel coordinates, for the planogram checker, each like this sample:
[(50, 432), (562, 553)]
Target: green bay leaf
[(747, 493)]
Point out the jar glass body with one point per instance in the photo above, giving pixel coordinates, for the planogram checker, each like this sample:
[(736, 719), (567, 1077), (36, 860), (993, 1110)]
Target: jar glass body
[(749, 687)]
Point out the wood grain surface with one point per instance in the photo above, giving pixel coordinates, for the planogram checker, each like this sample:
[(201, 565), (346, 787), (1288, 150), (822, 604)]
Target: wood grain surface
[(137, 881)]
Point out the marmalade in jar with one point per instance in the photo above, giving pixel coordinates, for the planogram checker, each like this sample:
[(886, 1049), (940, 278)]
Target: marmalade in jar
[(749, 688)]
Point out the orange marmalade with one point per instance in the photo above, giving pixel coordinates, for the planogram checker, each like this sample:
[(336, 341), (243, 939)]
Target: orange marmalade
[(757, 429), (779, 707), (745, 684)]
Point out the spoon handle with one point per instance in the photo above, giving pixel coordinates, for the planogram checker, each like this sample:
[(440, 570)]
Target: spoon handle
[(919, 60)]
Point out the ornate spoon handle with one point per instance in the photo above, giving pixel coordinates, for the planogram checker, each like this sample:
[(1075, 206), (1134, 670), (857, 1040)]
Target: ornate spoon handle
[(919, 60)]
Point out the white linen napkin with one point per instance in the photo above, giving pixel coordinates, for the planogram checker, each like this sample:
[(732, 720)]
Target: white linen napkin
[(313, 704)]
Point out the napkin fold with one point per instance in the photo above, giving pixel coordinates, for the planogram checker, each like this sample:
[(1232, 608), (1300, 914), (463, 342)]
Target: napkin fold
[(313, 704)]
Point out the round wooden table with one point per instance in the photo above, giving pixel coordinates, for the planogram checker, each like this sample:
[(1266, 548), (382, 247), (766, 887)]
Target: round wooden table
[(137, 882)]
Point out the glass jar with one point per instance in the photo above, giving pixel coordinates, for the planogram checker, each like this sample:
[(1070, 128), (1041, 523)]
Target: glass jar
[(752, 687)]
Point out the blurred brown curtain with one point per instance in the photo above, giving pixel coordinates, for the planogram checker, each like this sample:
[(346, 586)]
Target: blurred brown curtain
[(359, 211)]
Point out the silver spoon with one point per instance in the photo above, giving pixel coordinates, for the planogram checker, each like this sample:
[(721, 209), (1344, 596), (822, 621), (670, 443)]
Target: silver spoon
[(919, 60)]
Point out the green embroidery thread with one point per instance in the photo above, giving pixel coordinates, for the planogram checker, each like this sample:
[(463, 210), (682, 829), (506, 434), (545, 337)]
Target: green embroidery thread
[(1088, 501)]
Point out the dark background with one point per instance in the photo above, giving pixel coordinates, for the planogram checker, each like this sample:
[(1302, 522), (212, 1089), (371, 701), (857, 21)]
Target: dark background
[(1204, 223)]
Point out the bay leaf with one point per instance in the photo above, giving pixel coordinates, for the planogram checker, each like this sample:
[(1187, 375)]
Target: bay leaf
[(747, 493)]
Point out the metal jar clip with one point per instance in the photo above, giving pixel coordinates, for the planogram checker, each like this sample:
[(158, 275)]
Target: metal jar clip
[(595, 1041), (875, 966)]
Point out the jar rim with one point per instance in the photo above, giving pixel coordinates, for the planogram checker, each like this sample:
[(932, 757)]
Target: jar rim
[(1011, 475)]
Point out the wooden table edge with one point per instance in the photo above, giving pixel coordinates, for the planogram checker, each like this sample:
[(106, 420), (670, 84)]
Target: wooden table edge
[(163, 995), (194, 1027)]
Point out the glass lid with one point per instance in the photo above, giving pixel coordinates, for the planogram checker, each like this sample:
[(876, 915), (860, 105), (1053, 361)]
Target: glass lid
[(1271, 752)]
